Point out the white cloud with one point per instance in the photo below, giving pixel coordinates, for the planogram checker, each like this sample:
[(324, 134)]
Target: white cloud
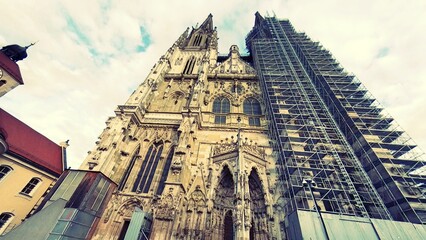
[(70, 91)]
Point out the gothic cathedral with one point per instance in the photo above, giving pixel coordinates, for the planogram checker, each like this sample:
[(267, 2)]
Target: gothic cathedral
[(190, 149)]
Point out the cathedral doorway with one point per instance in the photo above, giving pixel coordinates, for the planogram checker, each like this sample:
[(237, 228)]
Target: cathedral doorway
[(224, 204), (228, 231), (259, 222)]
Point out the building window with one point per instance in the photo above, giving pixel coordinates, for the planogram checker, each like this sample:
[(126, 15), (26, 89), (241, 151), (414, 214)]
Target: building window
[(4, 170), (251, 107), (31, 185), (189, 66), (197, 40), (221, 107), (5, 218), (128, 171), (147, 170), (165, 171)]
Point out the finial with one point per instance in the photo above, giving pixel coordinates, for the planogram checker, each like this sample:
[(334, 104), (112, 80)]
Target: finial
[(31, 44)]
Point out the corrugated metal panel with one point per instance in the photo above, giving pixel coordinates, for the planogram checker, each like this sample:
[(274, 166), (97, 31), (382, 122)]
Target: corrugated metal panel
[(399, 230), (135, 225), (350, 227), (338, 227)]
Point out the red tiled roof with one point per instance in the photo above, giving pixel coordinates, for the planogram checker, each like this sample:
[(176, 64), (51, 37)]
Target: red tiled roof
[(10, 67), (28, 143)]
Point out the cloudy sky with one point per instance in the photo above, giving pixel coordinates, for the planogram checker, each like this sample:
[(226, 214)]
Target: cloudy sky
[(90, 55)]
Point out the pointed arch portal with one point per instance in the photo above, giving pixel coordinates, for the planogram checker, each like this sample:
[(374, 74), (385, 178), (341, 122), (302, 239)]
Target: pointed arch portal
[(223, 206), (225, 190), (228, 231), (259, 222)]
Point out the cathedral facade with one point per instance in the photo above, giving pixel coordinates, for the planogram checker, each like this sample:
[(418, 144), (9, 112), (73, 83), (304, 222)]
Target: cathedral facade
[(281, 144), (190, 149)]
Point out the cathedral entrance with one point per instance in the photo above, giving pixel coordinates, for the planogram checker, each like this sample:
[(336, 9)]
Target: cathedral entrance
[(259, 228), (228, 233), (223, 220)]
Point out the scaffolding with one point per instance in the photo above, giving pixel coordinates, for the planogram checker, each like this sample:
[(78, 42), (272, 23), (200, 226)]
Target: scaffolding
[(330, 129)]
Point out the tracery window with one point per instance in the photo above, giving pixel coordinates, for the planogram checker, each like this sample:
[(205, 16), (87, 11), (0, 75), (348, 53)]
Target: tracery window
[(128, 171), (147, 170), (221, 107), (189, 66), (165, 171), (4, 219), (4, 170), (251, 107), (197, 40), (31, 185)]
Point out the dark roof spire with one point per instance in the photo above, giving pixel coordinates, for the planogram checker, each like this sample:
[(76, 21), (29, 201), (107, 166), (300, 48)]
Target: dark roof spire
[(16, 52), (208, 23), (259, 19)]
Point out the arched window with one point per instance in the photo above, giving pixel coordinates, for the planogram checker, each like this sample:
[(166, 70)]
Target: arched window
[(4, 170), (5, 218), (147, 171), (196, 40), (31, 185), (251, 107), (221, 107), (128, 171), (189, 66), (165, 171)]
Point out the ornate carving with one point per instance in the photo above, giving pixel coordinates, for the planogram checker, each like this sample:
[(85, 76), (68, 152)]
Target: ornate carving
[(224, 147), (197, 200), (176, 164), (166, 210), (230, 146)]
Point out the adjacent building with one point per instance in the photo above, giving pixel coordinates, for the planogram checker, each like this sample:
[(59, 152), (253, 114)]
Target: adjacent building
[(30, 164)]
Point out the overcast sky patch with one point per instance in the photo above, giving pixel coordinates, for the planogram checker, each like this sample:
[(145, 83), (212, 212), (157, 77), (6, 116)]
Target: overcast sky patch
[(383, 52), (145, 40)]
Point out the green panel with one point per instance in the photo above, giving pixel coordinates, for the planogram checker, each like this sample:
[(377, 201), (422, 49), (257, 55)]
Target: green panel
[(53, 237), (76, 230), (59, 227), (310, 225), (399, 230), (135, 226), (84, 218), (349, 227), (39, 225), (307, 225), (292, 227), (68, 186), (68, 214), (337, 226)]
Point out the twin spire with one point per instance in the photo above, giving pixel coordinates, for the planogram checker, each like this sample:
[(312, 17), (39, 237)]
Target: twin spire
[(207, 25)]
